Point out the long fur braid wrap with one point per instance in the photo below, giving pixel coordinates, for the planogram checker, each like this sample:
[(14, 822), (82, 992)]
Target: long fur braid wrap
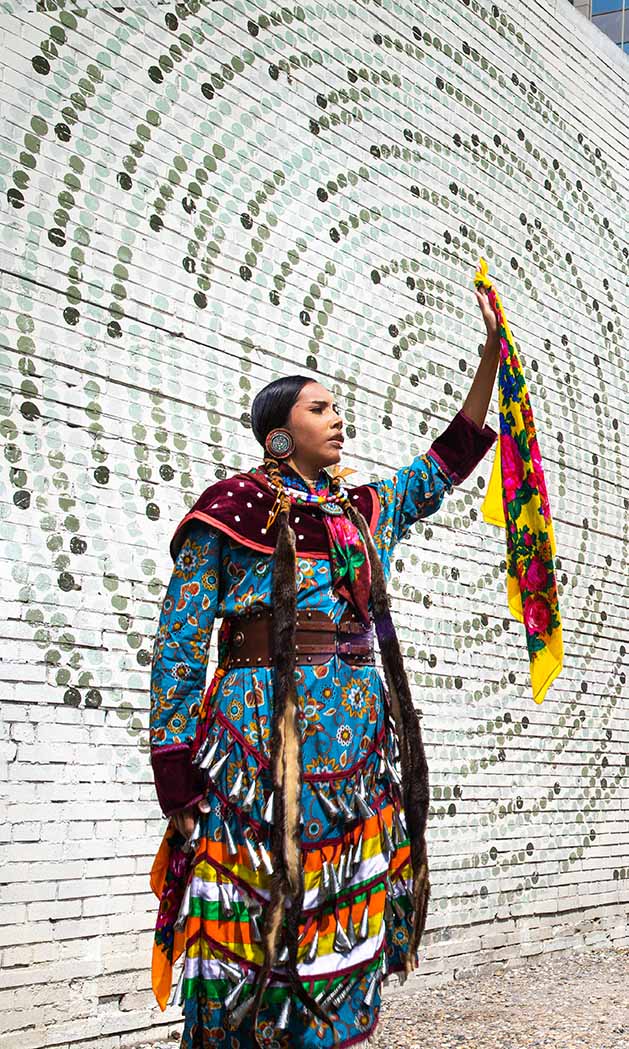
[(287, 881), (414, 766)]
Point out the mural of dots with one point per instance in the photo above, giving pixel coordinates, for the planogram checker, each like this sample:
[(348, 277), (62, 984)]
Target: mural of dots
[(200, 196)]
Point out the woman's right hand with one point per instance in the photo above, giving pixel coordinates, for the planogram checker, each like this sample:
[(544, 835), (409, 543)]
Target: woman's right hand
[(185, 820)]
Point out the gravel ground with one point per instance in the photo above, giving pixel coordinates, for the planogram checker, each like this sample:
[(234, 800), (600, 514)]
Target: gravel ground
[(574, 1000), (578, 1000)]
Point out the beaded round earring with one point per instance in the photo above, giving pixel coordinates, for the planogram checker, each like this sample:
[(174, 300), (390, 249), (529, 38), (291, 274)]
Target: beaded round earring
[(279, 443)]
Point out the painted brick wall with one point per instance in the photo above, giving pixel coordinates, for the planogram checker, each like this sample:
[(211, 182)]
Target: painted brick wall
[(197, 197)]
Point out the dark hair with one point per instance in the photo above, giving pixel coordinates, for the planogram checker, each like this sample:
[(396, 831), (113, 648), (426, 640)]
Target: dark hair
[(272, 404)]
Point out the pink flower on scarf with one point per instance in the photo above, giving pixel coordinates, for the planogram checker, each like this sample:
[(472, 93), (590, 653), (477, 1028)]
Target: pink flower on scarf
[(511, 462), (537, 477), (536, 615), (504, 350), (536, 575)]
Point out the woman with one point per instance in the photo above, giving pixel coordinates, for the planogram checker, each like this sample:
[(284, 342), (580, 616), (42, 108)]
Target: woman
[(294, 871)]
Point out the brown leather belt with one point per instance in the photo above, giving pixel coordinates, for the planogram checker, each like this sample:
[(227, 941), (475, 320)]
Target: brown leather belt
[(250, 641)]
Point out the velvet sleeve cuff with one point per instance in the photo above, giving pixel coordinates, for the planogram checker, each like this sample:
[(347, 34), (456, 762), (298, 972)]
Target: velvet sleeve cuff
[(178, 782), (461, 446)]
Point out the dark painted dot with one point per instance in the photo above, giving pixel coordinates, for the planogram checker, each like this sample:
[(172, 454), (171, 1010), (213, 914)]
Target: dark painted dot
[(200, 299), (304, 317), (393, 331), (101, 474), (41, 65), (322, 194), (156, 223), (77, 545), (63, 133), (245, 273), (375, 277), (155, 74), (475, 140), (274, 298), (457, 139), (493, 853), (143, 657), (57, 237), (72, 697), (387, 422), (335, 235), (314, 127), (415, 190), (15, 198), (497, 140), (252, 27), (207, 91), (440, 83), (452, 809), (273, 71), (189, 264), (93, 698), (408, 134), (30, 411), (22, 499), (458, 682), (124, 180), (352, 76), (66, 581), (466, 48), (514, 263), (114, 330), (152, 511), (312, 363)]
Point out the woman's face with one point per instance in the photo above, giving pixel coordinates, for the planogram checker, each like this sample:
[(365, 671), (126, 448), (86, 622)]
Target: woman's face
[(316, 426)]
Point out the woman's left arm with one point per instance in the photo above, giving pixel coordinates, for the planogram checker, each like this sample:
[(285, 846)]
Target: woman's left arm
[(418, 490), (477, 401)]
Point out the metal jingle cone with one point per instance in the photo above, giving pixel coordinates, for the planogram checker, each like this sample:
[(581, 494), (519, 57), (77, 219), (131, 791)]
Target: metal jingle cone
[(177, 997), (282, 957), (335, 885), (234, 793), (388, 911), (184, 908), (382, 765), (250, 797), (401, 825), (232, 848), (365, 811), (208, 756), (241, 1011), (385, 962), (328, 806), (389, 885), (256, 934), (225, 899), (267, 811), (325, 883), (311, 953), (282, 1020), (214, 771), (397, 907), (358, 852), (253, 856), (351, 931), (341, 872), (341, 943), (234, 994), (266, 859), (344, 807), (363, 931), (387, 845), (393, 772), (233, 973), (371, 991)]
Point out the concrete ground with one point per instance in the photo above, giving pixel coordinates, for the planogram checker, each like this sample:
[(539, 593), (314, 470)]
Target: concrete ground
[(571, 1000), (575, 1000)]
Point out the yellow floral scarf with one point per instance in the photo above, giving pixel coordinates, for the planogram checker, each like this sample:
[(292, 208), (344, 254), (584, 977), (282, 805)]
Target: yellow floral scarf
[(517, 500)]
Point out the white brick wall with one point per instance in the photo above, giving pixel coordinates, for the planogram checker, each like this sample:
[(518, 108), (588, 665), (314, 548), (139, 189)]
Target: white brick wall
[(333, 153)]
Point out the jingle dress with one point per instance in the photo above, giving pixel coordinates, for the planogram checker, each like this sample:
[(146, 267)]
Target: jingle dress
[(354, 924)]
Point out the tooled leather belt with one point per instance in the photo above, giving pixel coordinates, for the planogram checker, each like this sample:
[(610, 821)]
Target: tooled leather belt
[(250, 640)]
